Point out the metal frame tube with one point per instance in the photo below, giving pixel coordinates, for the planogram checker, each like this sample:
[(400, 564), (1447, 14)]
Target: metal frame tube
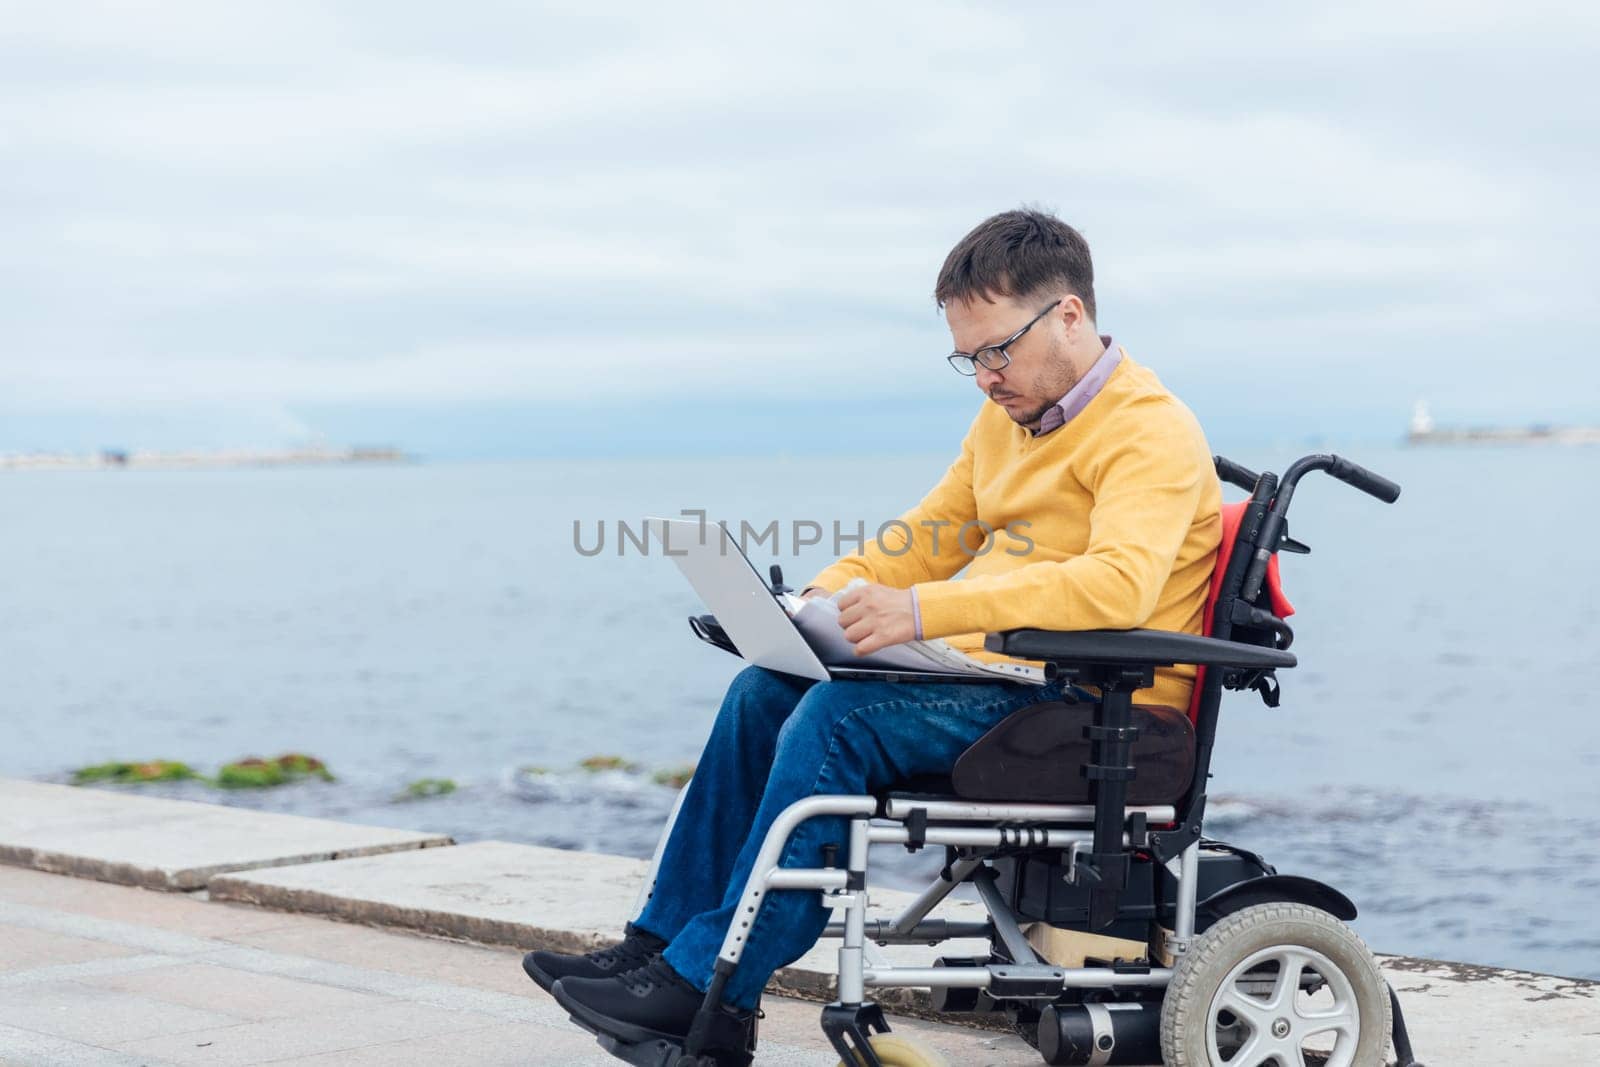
[(1188, 891), (931, 897), (965, 811), (929, 931), (977, 837), (854, 975), (766, 864), (979, 977), (806, 878), (852, 968), (856, 862), (852, 981), (1005, 923)]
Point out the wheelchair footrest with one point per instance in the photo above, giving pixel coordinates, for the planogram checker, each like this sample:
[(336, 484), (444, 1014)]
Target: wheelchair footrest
[(671, 1054), (651, 1054), (727, 1042)]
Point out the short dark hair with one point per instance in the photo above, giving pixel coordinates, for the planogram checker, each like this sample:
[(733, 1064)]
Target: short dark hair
[(1017, 254)]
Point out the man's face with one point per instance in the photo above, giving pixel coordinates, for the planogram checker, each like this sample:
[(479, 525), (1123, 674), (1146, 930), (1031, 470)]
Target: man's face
[(1040, 373)]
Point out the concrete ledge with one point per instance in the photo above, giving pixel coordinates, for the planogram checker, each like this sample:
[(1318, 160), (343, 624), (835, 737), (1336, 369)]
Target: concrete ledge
[(530, 897), (491, 892), (1463, 1013), (169, 844)]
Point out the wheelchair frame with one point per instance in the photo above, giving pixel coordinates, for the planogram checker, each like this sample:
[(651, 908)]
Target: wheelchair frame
[(1097, 840)]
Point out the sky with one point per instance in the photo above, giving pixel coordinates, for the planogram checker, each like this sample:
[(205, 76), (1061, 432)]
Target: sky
[(511, 229)]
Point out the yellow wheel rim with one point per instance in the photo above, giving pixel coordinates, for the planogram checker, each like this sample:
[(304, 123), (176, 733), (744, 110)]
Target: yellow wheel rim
[(897, 1050)]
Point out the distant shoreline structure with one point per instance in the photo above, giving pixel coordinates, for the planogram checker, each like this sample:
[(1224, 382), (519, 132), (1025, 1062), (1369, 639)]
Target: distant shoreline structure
[(197, 459), (1424, 432)]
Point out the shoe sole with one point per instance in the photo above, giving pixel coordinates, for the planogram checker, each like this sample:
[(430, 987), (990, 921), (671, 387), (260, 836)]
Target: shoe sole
[(604, 1025)]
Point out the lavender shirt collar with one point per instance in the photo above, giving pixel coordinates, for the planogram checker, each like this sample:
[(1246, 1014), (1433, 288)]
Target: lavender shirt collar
[(1078, 397)]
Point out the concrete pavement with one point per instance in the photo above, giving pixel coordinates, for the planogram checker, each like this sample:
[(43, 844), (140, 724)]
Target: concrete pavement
[(110, 976)]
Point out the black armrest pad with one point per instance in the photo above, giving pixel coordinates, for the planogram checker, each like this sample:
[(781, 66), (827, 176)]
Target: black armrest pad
[(1136, 648)]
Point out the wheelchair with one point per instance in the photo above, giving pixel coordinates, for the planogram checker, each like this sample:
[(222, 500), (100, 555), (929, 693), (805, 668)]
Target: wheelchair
[(1145, 942)]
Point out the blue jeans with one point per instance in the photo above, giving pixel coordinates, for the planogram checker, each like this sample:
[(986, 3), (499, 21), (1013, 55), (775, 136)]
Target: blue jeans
[(779, 739)]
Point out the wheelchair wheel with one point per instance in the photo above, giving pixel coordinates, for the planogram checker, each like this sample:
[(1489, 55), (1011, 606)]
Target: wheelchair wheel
[(897, 1050), (1276, 984)]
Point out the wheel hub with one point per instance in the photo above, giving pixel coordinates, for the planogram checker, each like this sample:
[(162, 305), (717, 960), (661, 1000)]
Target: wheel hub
[(1266, 1021)]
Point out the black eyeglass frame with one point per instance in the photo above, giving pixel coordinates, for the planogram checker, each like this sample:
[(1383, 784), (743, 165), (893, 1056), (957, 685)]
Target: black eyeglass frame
[(967, 365)]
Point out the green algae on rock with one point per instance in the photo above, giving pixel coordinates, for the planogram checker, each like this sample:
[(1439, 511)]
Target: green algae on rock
[(608, 763), (676, 777), (428, 787), (256, 773), (156, 770)]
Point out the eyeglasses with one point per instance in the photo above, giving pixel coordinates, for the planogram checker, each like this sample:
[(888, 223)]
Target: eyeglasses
[(993, 357)]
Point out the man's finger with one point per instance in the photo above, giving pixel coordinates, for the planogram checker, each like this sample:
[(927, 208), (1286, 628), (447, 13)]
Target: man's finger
[(869, 642)]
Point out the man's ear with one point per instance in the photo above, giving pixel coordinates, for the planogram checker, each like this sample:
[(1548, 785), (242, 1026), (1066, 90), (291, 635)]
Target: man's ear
[(1072, 312)]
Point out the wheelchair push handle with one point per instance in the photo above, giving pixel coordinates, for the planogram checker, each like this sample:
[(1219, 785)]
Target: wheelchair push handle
[(1372, 484), (1352, 474), (1235, 473), (1273, 527)]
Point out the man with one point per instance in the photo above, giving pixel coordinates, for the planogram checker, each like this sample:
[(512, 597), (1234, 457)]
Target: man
[(1097, 490)]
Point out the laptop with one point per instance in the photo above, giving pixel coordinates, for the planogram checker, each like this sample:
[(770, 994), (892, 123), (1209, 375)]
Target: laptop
[(750, 613)]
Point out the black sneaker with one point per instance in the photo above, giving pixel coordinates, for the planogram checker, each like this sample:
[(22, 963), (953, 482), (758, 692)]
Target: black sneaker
[(636, 949), (652, 1003)]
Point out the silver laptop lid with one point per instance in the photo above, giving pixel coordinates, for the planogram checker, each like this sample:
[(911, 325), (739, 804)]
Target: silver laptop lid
[(733, 590)]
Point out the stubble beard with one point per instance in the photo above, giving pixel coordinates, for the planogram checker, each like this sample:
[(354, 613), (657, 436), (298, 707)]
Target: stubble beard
[(1032, 419), (1056, 386)]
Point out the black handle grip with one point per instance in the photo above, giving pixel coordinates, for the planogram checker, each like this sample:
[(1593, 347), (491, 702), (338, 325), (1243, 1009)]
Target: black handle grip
[(1234, 474), (1364, 480), (776, 573)]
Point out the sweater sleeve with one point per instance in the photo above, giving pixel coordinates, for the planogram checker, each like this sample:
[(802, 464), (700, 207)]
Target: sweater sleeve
[(1147, 489), (921, 545)]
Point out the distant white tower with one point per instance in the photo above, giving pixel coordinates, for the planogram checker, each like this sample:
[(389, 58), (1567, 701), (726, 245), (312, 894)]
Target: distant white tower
[(1421, 421)]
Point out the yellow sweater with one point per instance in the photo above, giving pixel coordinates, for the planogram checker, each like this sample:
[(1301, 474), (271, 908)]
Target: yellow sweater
[(1110, 522)]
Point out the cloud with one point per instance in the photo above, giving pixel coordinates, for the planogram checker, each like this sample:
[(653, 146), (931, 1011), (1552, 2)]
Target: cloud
[(299, 204)]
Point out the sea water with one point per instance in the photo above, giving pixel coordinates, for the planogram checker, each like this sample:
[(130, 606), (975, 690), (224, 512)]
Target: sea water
[(1437, 754)]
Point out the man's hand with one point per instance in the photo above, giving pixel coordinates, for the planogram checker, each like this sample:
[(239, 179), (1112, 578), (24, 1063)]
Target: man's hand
[(876, 616)]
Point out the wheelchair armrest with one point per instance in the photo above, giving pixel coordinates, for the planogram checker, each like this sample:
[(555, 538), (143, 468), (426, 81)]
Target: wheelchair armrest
[(1134, 648)]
